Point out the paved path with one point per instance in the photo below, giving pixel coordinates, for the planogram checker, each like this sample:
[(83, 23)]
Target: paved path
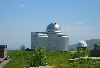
[(3, 63), (91, 57), (43, 67)]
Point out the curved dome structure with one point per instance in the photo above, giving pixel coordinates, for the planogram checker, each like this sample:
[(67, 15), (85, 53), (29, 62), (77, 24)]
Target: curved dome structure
[(82, 44), (53, 27)]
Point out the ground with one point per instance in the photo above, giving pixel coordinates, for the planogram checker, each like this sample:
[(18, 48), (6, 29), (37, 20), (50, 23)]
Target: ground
[(4, 62)]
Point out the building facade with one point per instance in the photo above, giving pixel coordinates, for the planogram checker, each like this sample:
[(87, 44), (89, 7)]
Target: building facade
[(52, 40)]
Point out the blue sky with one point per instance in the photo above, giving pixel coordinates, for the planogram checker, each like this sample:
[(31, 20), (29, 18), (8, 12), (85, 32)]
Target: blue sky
[(79, 19)]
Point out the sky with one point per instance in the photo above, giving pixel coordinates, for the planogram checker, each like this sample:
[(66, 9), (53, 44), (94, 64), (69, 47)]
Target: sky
[(79, 19)]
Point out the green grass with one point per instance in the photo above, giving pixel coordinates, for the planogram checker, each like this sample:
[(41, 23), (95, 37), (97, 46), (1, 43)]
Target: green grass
[(19, 59), (57, 58)]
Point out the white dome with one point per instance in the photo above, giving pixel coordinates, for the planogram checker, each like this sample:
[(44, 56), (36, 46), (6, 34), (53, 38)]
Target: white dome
[(53, 27), (82, 44)]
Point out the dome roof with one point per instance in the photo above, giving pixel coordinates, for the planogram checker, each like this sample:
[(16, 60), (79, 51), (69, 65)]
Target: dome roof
[(53, 27), (82, 44)]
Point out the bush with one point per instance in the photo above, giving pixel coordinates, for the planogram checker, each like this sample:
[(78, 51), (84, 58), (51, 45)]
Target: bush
[(38, 58)]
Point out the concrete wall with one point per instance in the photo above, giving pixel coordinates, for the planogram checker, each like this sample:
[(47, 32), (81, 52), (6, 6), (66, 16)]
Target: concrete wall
[(63, 43), (38, 40)]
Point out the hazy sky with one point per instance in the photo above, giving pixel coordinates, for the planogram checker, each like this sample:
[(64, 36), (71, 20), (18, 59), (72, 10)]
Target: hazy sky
[(79, 19)]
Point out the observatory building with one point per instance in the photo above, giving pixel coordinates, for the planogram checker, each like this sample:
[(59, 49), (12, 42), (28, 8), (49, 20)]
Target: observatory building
[(52, 40), (82, 45)]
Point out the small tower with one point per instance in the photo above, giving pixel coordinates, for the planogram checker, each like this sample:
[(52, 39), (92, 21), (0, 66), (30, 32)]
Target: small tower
[(82, 45)]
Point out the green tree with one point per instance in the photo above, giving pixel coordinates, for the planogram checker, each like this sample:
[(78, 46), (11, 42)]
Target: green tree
[(38, 58), (79, 53), (22, 47)]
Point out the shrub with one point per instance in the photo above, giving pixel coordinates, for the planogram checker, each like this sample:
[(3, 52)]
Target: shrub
[(38, 58)]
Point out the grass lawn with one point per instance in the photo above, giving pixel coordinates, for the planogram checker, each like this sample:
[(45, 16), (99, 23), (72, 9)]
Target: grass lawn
[(19, 58)]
